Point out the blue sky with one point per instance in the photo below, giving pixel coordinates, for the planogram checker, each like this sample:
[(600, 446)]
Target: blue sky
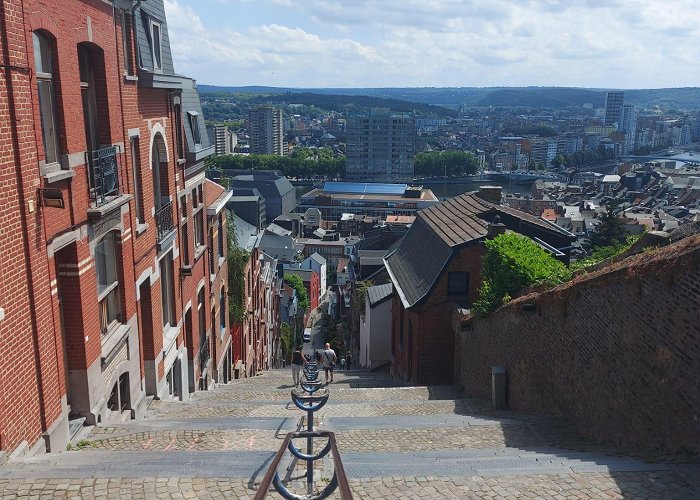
[(437, 43)]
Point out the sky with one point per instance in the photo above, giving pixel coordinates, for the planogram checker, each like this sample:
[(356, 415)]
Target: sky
[(437, 43)]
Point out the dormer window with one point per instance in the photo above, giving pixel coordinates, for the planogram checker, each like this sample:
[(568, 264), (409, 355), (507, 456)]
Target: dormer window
[(156, 31), (193, 117)]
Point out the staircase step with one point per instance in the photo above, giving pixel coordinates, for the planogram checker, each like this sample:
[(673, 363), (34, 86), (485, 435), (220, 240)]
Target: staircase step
[(74, 426)]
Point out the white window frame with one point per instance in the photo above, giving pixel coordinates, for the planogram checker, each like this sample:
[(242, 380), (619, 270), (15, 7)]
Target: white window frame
[(167, 292), (198, 217), (127, 37), (193, 118), (157, 55), (47, 110), (108, 298), (135, 152)]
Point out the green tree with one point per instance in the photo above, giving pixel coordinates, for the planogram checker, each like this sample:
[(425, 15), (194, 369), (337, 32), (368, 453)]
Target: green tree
[(513, 262), (302, 295), (237, 259), (287, 337), (610, 231), (439, 163)]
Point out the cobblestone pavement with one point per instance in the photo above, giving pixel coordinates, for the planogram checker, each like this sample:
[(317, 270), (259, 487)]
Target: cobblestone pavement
[(574, 486), (396, 442), (365, 440)]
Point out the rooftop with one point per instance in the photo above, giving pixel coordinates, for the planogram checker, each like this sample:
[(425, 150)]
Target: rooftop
[(378, 294), (418, 261)]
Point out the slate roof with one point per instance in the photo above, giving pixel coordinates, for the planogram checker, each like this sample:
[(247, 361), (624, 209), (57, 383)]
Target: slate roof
[(371, 257), (246, 234), (279, 247), (426, 249), (378, 294), (318, 258)]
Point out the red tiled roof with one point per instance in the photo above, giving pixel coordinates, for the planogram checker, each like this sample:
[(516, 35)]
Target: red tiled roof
[(212, 191)]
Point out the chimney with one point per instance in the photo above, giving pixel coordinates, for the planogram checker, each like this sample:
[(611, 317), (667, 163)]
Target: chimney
[(495, 228), (492, 194)]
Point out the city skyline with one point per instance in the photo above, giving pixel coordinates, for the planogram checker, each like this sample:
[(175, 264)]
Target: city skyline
[(580, 43)]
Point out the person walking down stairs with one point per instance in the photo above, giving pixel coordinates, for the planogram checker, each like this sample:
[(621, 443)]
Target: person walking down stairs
[(329, 359), (298, 360)]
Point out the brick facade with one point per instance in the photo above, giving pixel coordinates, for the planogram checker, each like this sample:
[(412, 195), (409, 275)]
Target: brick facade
[(82, 330), (615, 351), (422, 338)]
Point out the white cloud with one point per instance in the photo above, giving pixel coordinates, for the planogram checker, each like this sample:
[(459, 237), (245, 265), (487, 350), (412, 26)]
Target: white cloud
[(603, 43)]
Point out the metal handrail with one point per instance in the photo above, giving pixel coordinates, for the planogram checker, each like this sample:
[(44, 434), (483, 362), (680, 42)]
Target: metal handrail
[(310, 403), (204, 353), (311, 386), (339, 480)]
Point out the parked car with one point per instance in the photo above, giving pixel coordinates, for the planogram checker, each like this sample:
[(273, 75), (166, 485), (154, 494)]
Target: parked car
[(307, 335)]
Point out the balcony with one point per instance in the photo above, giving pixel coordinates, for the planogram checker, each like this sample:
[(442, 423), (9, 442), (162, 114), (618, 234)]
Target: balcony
[(104, 175), (164, 223), (105, 192)]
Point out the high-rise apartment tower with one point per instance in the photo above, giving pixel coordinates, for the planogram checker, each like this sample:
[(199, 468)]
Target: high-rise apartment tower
[(266, 134), (613, 107), (380, 147)]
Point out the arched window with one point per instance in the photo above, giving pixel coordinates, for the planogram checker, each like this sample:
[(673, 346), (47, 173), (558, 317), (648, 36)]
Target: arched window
[(44, 67), (93, 87)]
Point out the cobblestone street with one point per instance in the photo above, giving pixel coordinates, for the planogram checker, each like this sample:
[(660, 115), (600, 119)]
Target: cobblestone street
[(395, 442)]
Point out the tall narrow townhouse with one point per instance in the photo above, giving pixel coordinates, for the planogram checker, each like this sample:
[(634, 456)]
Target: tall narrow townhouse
[(216, 198), (77, 325), (34, 399), (100, 144), (171, 247)]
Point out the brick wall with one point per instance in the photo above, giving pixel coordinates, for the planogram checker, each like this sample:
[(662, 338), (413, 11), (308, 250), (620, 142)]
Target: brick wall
[(423, 353), (30, 398), (616, 351)]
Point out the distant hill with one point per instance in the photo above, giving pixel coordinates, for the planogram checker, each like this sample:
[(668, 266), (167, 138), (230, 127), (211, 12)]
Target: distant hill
[(360, 104), (225, 104), (542, 97), (537, 97)]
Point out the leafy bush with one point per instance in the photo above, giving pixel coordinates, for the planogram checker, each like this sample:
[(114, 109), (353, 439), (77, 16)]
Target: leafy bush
[(602, 253), (513, 262), (237, 259), (302, 295), (288, 340)]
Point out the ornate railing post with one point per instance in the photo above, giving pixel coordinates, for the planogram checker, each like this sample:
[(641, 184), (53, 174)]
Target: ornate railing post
[(309, 401)]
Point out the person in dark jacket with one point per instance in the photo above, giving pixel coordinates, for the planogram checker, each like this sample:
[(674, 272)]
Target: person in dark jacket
[(298, 360)]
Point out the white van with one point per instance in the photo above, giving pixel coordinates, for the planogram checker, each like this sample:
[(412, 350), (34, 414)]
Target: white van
[(307, 335)]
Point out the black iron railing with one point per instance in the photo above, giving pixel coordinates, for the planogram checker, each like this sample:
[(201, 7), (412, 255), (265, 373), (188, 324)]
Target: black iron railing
[(104, 175), (164, 220), (204, 353)]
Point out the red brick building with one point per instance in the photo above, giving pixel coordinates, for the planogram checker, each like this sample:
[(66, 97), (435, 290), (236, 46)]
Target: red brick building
[(437, 268), (113, 275), (257, 344), (312, 283)]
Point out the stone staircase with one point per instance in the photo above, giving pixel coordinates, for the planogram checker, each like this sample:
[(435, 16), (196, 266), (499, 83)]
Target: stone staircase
[(395, 442)]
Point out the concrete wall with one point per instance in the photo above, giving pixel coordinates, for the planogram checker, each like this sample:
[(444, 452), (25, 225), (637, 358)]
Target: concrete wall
[(616, 351), (375, 335)]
